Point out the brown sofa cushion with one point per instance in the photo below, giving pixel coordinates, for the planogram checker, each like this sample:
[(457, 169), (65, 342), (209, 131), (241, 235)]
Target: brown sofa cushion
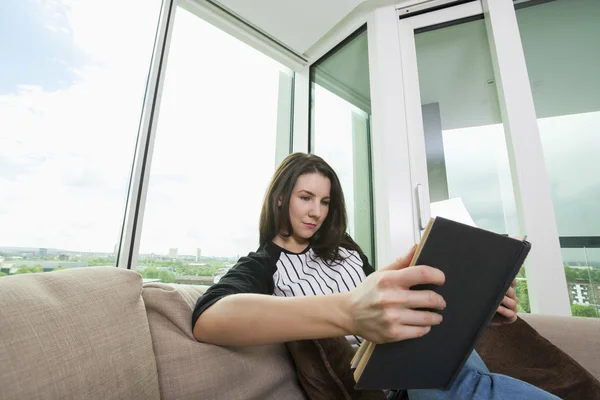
[(188, 369), (519, 351), (323, 368), (75, 334)]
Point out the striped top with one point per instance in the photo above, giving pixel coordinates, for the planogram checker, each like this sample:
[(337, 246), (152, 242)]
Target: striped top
[(273, 270)]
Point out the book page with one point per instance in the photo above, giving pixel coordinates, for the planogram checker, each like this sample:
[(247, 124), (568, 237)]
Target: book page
[(453, 209)]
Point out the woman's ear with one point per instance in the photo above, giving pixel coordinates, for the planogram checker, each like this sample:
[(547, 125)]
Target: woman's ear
[(279, 202)]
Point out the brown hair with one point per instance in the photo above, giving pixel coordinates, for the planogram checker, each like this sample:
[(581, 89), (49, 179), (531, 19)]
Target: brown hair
[(275, 219)]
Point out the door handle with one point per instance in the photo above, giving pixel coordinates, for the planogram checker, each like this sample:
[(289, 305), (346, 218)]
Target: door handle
[(421, 207)]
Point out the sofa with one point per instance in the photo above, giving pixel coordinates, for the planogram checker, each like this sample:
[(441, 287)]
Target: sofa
[(100, 333)]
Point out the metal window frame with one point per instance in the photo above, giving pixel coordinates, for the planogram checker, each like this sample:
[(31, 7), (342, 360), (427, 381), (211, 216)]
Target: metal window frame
[(131, 230)]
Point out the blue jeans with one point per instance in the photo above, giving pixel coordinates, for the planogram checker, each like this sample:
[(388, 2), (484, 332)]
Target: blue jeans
[(476, 382)]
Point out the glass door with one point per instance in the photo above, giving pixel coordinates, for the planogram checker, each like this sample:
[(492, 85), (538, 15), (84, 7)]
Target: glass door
[(474, 147), (459, 160)]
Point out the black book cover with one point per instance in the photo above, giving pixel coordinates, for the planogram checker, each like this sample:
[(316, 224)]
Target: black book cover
[(479, 266)]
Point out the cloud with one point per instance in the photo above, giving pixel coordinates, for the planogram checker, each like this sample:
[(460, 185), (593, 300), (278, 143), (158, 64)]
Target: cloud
[(70, 150), (72, 147)]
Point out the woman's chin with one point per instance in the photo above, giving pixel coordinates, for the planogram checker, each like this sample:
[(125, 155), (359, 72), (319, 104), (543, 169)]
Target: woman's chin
[(304, 236)]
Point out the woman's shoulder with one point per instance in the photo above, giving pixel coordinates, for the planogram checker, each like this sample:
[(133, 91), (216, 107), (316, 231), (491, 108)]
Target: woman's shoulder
[(264, 257)]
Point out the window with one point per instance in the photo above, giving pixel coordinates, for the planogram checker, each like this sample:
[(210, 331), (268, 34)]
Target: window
[(340, 124), (465, 145), (225, 109), (563, 59), (71, 93)]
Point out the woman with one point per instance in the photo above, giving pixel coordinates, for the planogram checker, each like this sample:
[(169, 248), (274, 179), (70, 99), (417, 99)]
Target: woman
[(309, 279)]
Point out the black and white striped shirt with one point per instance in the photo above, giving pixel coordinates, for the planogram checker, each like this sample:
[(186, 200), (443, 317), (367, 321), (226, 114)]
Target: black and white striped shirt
[(273, 270)]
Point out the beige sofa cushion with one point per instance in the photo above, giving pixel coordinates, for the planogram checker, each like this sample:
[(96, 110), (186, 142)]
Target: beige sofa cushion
[(188, 369), (577, 336), (75, 334)]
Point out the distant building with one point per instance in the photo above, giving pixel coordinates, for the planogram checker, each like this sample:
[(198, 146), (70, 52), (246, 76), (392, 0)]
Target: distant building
[(585, 294), (580, 267), (580, 294), (198, 254), (173, 253), (43, 252)]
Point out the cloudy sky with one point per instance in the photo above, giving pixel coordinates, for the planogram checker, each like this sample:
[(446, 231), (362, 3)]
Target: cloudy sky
[(70, 101), (70, 95), (71, 92)]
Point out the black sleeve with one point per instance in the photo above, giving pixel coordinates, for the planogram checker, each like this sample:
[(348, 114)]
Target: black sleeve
[(251, 274), (366, 265)]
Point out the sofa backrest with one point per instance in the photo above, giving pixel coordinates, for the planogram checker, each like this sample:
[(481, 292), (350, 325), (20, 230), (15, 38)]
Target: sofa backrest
[(188, 369), (579, 337), (75, 334)]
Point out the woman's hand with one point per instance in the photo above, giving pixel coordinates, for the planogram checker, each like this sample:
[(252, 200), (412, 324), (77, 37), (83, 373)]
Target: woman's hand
[(383, 308), (507, 311)]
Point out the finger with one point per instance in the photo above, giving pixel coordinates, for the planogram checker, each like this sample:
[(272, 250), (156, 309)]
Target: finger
[(514, 283), (505, 312), (401, 262), (410, 332), (419, 318), (419, 275), (511, 293), (509, 303), (424, 299)]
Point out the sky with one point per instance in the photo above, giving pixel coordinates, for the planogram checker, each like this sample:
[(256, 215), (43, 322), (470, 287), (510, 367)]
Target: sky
[(71, 93), (70, 103), (476, 157)]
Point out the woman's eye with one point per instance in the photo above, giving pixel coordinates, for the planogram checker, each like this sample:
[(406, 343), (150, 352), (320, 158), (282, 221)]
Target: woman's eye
[(325, 203), (305, 198)]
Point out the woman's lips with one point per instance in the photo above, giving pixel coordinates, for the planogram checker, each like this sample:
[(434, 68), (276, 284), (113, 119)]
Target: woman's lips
[(311, 226)]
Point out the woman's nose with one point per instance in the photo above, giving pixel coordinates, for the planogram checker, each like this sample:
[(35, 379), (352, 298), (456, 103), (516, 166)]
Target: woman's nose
[(315, 211)]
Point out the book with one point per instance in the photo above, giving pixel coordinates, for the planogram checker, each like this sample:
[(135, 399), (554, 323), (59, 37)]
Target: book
[(479, 267)]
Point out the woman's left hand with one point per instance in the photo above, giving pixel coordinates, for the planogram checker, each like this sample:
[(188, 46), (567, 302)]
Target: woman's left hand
[(507, 312)]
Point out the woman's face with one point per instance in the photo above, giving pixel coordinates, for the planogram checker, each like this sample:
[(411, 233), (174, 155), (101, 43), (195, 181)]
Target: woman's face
[(309, 205)]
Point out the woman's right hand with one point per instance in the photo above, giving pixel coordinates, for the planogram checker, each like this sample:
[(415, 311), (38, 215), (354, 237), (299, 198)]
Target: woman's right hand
[(383, 308)]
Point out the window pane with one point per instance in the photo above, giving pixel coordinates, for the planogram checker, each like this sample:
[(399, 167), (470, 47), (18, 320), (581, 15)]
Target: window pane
[(214, 153), (465, 143), (341, 107), (563, 58), (71, 93)]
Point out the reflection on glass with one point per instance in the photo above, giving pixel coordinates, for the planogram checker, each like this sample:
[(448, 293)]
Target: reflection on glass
[(565, 83), (340, 124), (464, 135), (214, 153), (71, 93)]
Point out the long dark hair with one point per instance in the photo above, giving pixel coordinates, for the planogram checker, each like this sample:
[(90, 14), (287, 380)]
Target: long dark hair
[(275, 220)]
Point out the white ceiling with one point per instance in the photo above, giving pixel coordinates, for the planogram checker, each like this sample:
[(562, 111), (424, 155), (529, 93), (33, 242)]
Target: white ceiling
[(297, 24)]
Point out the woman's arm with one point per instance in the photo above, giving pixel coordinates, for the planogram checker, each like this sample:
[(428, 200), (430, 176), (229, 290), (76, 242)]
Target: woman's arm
[(381, 309), (255, 319)]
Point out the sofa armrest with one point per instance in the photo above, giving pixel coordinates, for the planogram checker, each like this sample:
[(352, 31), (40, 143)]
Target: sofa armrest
[(577, 336)]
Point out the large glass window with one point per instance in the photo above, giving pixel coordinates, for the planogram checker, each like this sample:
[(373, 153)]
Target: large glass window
[(72, 82), (225, 109), (340, 124), (562, 51)]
